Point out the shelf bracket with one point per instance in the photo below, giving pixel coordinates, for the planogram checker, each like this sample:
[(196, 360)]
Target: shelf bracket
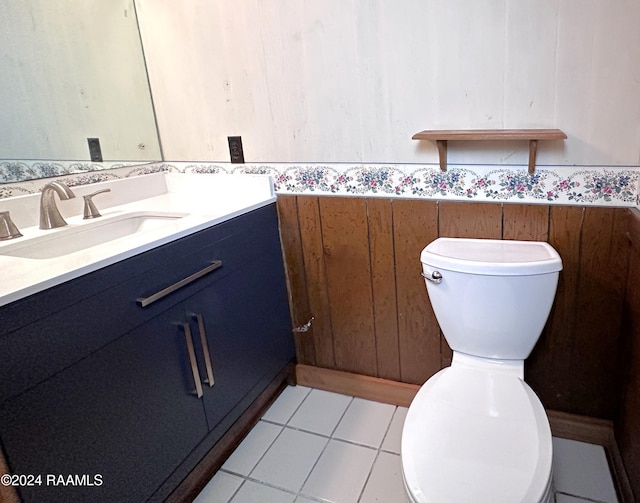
[(442, 154), (533, 151)]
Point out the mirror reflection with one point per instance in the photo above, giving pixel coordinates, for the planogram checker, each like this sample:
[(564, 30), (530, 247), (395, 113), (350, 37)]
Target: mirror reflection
[(74, 84)]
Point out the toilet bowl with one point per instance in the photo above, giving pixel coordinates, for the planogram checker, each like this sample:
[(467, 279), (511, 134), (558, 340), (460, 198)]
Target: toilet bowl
[(475, 431)]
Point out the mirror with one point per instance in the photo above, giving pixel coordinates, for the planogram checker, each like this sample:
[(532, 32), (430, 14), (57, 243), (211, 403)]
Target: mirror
[(73, 70)]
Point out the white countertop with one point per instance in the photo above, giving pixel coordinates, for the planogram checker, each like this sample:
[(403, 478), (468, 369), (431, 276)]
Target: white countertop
[(205, 199)]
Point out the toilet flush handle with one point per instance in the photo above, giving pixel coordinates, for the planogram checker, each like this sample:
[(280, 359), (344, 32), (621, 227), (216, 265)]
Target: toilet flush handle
[(435, 277)]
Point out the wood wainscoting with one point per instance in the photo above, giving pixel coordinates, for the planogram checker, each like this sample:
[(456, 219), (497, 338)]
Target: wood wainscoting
[(627, 423), (354, 267)]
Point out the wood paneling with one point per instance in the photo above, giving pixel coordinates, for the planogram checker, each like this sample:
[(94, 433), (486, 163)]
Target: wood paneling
[(470, 220), (348, 281), (372, 313), (296, 277), (525, 222), (598, 304), (415, 225), (312, 248), (628, 419), (383, 281), (550, 365)]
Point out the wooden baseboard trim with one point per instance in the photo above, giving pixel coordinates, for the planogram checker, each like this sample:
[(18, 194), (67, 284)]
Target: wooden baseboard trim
[(193, 484), (625, 493), (358, 385), (581, 428), (563, 425)]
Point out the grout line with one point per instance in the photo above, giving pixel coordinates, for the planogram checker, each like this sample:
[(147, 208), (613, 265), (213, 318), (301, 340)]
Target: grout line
[(386, 432), (264, 453), (276, 423), (298, 407), (341, 417), (325, 446), (366, 482), (582, 498), (329, 437), (379, 451), (315, 463), (258, 481), (236, 491)]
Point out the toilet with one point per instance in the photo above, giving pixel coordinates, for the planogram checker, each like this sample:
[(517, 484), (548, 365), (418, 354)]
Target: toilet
[(475, 431)]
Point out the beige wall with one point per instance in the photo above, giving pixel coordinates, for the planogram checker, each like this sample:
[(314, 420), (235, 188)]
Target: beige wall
[(351, 81)]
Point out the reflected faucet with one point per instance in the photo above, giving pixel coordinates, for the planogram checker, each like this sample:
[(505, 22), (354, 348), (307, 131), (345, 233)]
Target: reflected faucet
[(8, 229), (50, 217)]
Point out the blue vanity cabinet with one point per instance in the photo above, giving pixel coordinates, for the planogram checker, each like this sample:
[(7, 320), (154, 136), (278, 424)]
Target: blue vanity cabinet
[(123, 414), (124, 417), (247, 330)]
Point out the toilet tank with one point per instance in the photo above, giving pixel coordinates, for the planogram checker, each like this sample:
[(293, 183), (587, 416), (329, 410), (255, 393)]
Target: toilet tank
[(491, 297)]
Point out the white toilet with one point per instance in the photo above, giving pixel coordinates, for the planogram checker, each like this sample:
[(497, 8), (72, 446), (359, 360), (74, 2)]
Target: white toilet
[(476, 432)]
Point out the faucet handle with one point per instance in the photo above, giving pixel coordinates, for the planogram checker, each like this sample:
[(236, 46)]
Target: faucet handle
[(90, 210), (8, 229)]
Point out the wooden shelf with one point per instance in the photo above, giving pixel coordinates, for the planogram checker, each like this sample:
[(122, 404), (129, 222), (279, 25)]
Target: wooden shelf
[(442, 136)]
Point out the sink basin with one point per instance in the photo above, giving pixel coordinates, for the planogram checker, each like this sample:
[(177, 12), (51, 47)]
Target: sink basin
[(82, 236)]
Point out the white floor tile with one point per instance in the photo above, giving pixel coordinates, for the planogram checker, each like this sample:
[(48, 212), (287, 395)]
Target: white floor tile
[(320, 412), (252, 448), (286, 404), (565, 498), (393, 438), (582, 470), (341, 472), (220, 489), (365, 422), (385, 483), (310, 468), (290, 459), (253, 492)]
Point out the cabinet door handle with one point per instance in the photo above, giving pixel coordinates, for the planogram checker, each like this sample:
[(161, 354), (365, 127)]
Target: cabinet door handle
[(192, 358), (205, 348), (145, 301)]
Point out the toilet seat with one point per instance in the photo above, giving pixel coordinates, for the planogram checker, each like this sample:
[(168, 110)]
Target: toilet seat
[(474, 435)]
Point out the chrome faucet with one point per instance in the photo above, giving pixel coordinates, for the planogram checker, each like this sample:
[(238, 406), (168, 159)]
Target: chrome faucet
[(50, 217)]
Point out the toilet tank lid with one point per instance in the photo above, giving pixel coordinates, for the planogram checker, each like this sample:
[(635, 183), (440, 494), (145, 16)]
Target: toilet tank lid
[(492, 256)]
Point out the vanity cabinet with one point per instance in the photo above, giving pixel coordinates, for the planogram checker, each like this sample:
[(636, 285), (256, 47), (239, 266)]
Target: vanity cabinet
[(110, 399)]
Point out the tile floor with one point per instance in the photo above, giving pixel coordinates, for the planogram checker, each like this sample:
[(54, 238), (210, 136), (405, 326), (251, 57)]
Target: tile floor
[(317, 446)]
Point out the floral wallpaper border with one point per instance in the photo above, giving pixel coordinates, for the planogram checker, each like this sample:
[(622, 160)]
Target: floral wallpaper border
[(583, 185), (16, 171)]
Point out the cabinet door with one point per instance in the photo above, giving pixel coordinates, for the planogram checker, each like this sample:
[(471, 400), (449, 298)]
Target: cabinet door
[(248, 329), (244, 317), (125, 413)]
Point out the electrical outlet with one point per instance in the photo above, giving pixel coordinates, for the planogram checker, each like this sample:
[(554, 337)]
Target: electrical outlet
[(235, 149), (94, 149)]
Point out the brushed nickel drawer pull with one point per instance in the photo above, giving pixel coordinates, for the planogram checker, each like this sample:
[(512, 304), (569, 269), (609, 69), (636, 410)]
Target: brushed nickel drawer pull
[(192, 358), (205, 349), (145, 301)]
